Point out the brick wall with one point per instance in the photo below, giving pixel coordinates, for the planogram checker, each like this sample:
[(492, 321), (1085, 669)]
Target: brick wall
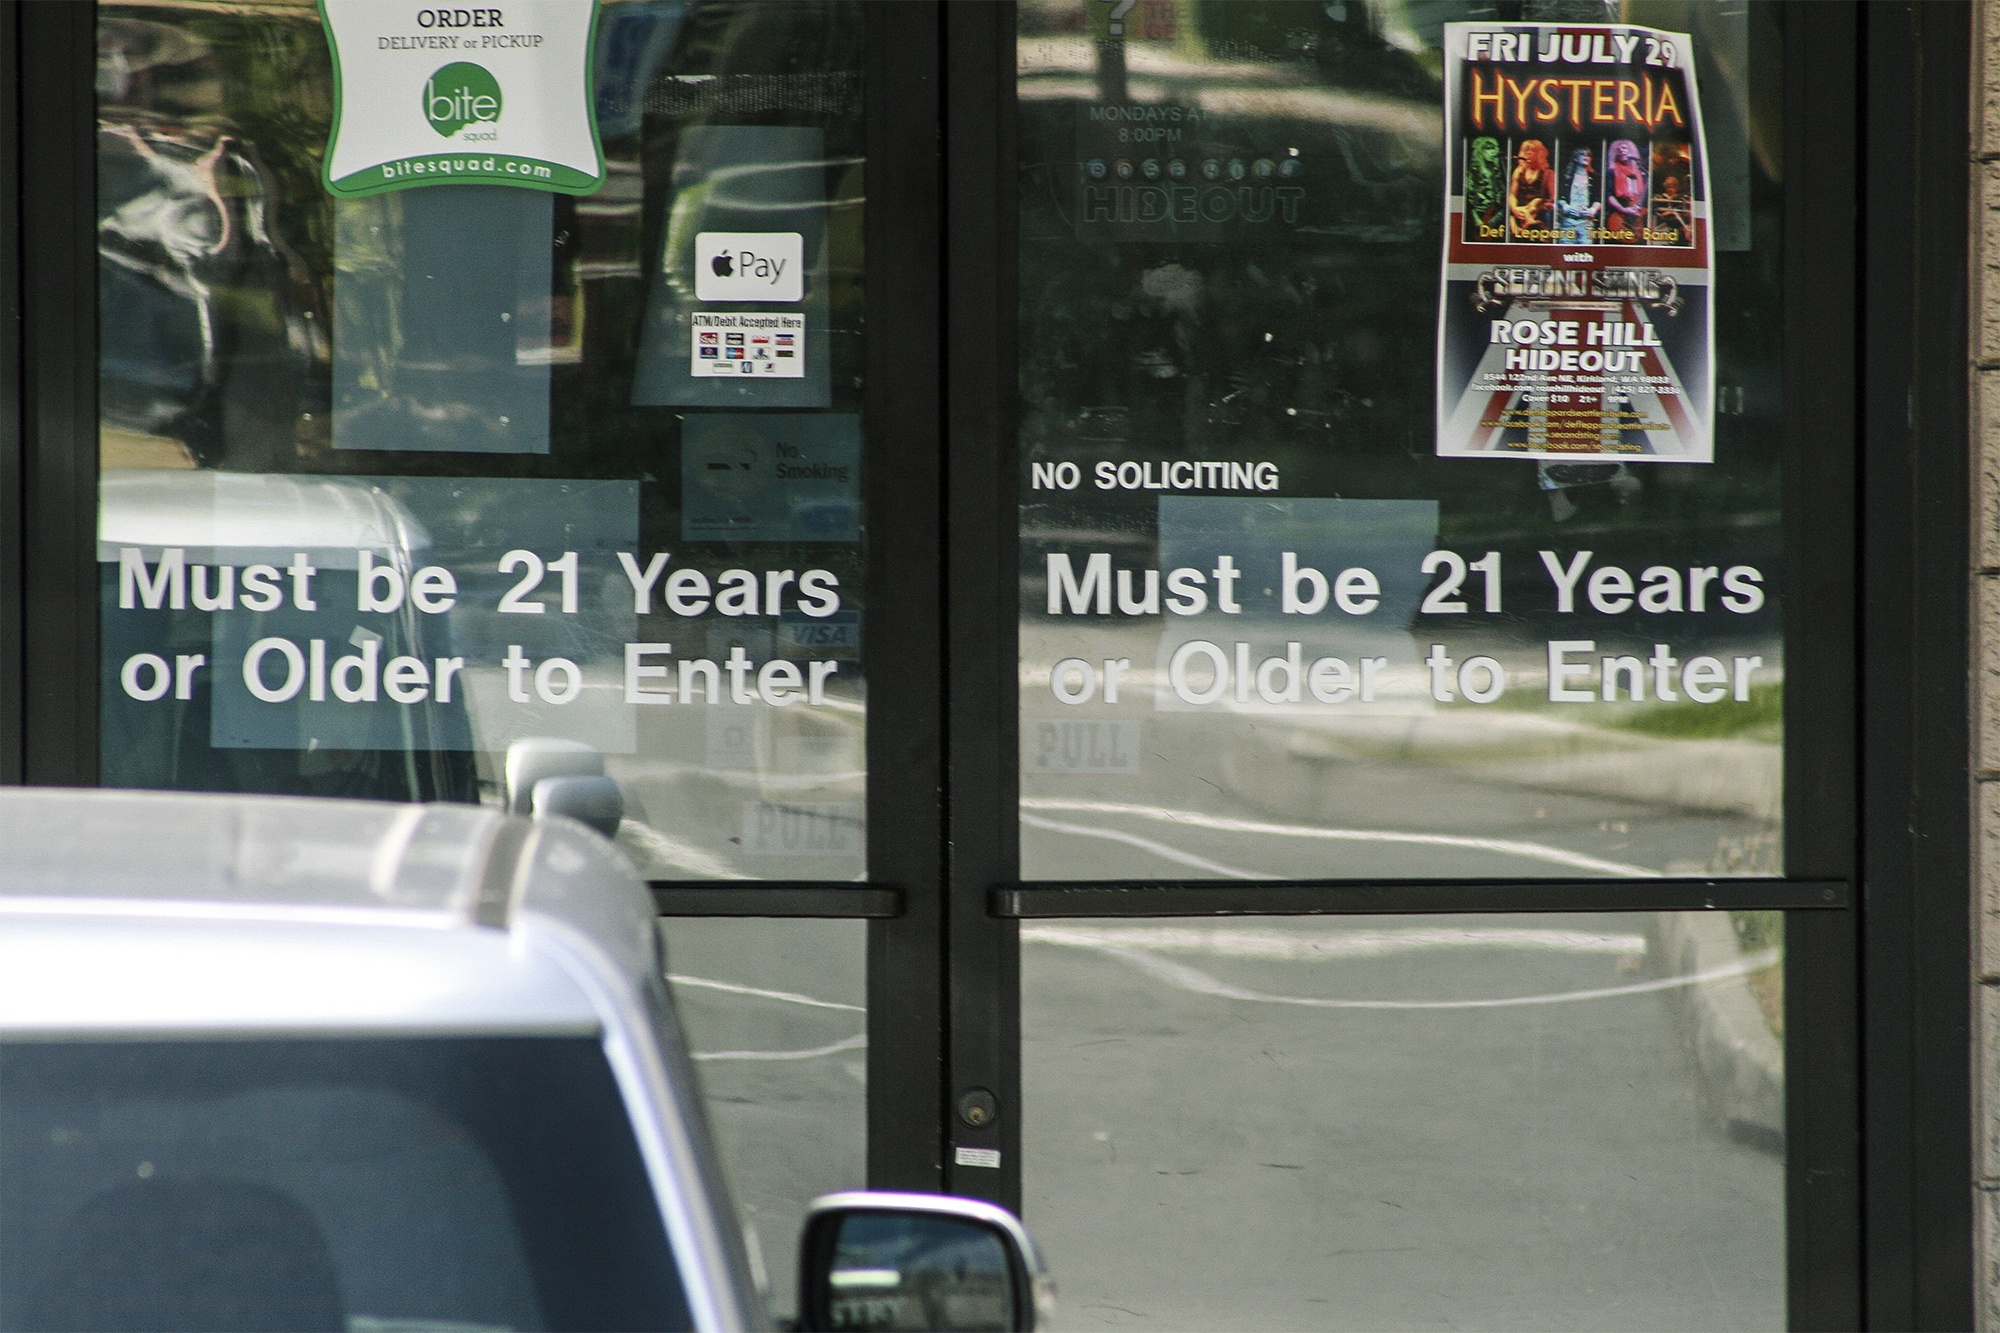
[(1985, 592)]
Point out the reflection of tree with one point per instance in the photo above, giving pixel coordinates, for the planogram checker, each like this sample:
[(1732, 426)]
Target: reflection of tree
[(368, 286), (201, 298), (220, 118), (1359, 43)]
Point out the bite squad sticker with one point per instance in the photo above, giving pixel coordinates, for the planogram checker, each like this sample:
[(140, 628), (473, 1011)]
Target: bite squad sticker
[(445, 95)]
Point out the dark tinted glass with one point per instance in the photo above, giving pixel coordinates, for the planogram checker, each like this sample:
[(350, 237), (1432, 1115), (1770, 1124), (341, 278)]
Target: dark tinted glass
[(360, 1184)]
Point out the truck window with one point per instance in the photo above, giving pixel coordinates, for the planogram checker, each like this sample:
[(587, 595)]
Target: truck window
[(385, 1185)]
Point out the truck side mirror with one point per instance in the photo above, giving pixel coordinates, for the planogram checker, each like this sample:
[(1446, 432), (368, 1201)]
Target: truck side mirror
[(597, 802), (533, 758), (881, 1261)]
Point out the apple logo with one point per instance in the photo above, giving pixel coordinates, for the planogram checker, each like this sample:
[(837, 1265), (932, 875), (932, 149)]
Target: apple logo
[(722, 266)]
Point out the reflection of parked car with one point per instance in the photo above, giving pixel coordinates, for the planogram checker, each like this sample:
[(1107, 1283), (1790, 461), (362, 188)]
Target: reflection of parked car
[(278, 1063)]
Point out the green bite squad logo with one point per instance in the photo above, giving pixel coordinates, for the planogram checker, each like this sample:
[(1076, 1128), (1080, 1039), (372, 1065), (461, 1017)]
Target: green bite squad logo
[(461, 94)]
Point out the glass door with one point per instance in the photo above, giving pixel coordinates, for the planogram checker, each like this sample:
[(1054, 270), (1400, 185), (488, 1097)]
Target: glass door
[(427, 469), (1421, 895)]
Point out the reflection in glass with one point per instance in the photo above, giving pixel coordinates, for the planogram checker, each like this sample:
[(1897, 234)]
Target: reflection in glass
[(1409, 1122), (1264, 631), (441, 320), (435, 457), (898, 1271), (776, 1016)]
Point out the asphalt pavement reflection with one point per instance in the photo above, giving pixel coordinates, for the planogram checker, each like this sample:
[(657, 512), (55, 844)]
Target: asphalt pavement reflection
[(775, 1015), (1472, 1122), (1398, 1122)]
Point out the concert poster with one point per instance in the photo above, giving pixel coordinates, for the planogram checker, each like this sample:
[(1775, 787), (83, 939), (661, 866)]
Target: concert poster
[(1576, 319)]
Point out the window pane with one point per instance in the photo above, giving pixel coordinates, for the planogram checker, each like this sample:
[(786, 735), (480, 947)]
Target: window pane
[(1409, 1122), (394, 484), (1266, 629), (776, 1016)]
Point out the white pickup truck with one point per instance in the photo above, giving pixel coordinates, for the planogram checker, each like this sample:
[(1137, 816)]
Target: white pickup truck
[(285, 1063)]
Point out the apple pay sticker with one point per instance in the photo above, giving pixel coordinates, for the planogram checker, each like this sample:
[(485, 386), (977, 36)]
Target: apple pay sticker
[(740, 344), (749, 266)]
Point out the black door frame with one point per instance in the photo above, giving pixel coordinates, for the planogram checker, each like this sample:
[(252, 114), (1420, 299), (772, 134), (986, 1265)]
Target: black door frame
[(1916, 863), (1878, 929)]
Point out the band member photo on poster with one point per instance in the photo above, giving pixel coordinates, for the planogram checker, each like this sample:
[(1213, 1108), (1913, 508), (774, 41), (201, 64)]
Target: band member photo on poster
[(1575, 318), (1577, 208), (1625, 216), (1531, 194), (1485, 189), (1671, 222)]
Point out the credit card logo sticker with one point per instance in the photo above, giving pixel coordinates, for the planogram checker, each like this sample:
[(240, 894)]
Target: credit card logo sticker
[(739, 343)]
